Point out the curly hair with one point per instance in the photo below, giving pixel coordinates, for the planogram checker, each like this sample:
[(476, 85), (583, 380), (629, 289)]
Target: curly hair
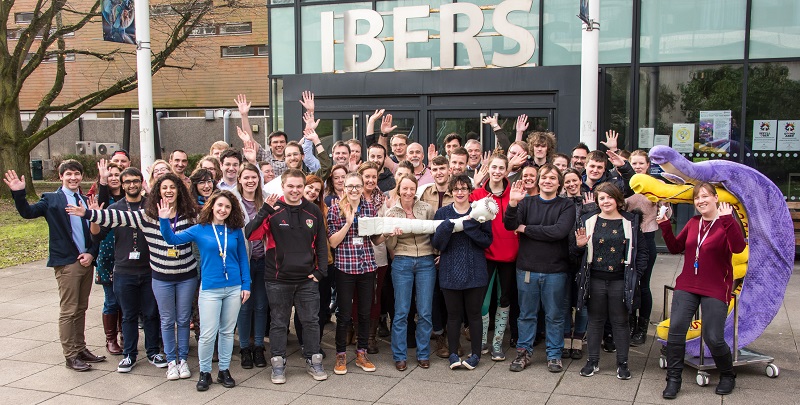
[(234, 220), (184, 204), (547, 139)]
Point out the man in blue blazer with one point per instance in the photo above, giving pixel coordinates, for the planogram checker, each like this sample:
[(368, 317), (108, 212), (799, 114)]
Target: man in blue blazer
[(71, 255)]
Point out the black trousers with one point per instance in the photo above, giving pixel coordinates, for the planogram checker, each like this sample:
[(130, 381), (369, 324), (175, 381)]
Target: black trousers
[(714, 313), (347, 286), (458, 302), (606, 301)]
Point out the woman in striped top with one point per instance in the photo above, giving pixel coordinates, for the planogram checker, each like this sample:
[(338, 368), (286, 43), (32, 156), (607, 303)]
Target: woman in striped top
[(174, 267)]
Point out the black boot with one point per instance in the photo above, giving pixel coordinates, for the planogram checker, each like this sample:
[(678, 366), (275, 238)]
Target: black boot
[(675, 354), (259, 360), (204, 381), (639, 337), (727, 377), (246, 356)]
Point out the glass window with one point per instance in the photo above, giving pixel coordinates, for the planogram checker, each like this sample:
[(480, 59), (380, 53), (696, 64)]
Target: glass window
[(774, 29), (616, 93), (700, 105), (23, 18), (773, 119), (691, 30), (562, 32), (243, 51), (276, 105), (282, 40), (491, 44), (312, 45)]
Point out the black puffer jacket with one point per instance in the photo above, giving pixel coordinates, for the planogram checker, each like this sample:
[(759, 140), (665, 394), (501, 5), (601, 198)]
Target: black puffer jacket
[(635, 262)]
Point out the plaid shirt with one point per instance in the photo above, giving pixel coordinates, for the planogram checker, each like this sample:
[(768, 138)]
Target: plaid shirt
[(351, 257)]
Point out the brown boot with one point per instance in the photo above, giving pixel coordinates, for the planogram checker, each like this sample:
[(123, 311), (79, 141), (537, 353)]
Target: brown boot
[(441, 346), (119, 329), (110, 327), (372, 342)]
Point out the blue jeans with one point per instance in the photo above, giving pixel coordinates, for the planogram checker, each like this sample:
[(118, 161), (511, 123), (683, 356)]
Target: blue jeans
[(219, 309), (175, 306), (408, 272), (549, 291), (135, 296), (581, 321), (256, 305), (110, 304)]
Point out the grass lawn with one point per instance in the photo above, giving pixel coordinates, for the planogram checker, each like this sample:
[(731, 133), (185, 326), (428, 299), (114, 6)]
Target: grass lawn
[(24, 240)]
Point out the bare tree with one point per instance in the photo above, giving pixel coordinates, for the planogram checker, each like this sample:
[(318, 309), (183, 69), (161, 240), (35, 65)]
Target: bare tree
[(42, 40)]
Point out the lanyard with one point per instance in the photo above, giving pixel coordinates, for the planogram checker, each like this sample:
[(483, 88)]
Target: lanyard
[(223, 252), (700, 241), (135, 231)]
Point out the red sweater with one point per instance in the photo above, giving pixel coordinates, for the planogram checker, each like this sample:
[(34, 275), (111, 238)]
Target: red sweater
[(714, 276), (505, 244)]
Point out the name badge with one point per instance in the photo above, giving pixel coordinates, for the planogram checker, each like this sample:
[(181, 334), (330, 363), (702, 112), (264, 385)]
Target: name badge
[(358, 241), (134, 255), (172, 253)]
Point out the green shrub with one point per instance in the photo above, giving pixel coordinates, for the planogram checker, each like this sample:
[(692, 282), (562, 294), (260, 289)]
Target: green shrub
[(89, 163), (193, 159)]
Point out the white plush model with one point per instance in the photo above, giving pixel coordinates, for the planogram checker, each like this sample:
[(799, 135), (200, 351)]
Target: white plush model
[(483, 210)]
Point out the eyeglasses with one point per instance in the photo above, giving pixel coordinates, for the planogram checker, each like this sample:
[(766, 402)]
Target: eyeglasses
[(205, 182), (131, 182), (461, 189), (353, 187)]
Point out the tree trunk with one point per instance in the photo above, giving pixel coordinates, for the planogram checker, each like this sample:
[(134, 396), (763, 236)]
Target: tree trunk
[(14, 150)]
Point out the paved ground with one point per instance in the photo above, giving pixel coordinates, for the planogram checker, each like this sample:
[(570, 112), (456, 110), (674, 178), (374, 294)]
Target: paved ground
[(32, 367)]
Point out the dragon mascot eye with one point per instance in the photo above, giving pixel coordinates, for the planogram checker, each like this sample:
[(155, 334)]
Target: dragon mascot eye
[(768, 228)]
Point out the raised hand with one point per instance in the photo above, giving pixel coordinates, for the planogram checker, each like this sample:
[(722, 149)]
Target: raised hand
[(242, 104), (249, 151), (311, 135), (92, 203), (354, 164), (611, 140), (581, 238), (102, 171), (485, 160), (271, 200), (522, 123), (490, 119), (517, 192), (308, 118), (308, 101), (244, 136), (13, 182), (482, 173), (588, 198), (386, 124), (163, 209), (432, 152), (615, 159), (348, 211), (725, 209), (517, 160), (376, 116), (76, 210)]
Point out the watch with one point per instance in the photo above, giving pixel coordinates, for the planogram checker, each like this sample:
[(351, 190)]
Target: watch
[(384, 135), (317, 144)]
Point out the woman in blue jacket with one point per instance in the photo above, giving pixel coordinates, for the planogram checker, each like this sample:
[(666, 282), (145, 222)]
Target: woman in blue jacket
[(226, 277), (462, 268)]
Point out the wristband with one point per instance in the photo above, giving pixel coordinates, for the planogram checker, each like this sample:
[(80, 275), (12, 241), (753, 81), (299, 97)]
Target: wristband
[(496, 127), (316, 145), (384, 135)]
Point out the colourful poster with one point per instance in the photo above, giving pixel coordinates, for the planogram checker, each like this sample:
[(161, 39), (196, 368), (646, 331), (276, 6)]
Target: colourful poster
[(787, 135), (118, 21), (646, 137), (715, 131), (683, 138), (765, 134)]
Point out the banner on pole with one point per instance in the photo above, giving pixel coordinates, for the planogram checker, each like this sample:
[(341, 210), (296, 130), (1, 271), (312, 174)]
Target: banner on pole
[(583, 13), (118, 23)]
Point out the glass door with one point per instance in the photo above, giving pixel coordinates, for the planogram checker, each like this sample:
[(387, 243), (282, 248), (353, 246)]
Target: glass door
[(468, 124), (337, 126), (538, 120)]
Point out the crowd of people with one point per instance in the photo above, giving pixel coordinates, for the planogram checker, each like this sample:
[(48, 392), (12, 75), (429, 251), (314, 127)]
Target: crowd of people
[(256, 234)]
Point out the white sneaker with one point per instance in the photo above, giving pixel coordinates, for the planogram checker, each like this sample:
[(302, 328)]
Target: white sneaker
[(172, 371), (183, 369)]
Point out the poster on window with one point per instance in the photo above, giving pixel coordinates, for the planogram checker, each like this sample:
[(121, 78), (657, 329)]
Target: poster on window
[(683, 138), (715, 131), (646, 137), (765, 134), (787, 135), (118, 21), (661, 140)]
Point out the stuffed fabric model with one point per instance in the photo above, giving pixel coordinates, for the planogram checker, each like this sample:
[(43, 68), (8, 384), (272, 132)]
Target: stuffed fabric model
[(483, 210)]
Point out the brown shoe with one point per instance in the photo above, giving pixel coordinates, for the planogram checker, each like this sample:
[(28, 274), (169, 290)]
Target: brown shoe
[(78, 364), (372, 341), (110, 325), (401, 365), (424, 363), (341, 364), (87, 356), (441, 347), (363, 361)]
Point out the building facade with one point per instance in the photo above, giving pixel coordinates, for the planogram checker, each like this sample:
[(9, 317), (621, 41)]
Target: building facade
[(716, 79)]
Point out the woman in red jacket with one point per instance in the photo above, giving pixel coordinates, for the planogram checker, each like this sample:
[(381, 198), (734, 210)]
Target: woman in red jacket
[(708, 241), (501, 259)]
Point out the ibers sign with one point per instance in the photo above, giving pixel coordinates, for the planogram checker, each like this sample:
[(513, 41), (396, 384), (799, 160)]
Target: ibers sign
[(470, 13)]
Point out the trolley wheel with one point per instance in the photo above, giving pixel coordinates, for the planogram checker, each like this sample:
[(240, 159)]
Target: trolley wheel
[(702, 378), (662, 362), (772, 370)]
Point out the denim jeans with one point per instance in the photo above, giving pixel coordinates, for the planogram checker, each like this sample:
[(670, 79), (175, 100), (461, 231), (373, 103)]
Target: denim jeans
[(607, 303), (713, 315), (175, 307), (348, 286), (110, 303), (549, 291), (305, 298), (408, 272), (219, 309), (253, 315), (574, 328), (135, 295), (324, 314)]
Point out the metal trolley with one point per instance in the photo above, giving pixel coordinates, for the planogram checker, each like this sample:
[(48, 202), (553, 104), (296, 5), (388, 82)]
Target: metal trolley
[(741, 357)]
